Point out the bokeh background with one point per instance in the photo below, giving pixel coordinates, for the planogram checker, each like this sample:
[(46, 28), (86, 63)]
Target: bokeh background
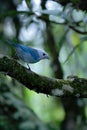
[(62, 32)]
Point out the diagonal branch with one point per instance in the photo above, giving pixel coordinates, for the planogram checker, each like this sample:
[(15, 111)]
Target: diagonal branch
[(73, 86)]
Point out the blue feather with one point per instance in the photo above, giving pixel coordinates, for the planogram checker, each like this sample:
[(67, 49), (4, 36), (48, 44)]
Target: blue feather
[(27, 54)]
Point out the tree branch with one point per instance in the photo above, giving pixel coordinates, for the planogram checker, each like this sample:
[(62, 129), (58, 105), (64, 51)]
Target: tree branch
[(77, 30), (73, 86), (79, 4), (57, 68)]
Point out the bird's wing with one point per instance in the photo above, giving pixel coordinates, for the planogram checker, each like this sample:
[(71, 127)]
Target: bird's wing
[(33, 52)]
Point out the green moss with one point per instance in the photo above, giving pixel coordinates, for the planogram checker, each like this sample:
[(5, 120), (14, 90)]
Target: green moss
[(42, 84)]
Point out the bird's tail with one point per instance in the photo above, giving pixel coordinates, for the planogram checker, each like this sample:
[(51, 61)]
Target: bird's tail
[(10, 42)]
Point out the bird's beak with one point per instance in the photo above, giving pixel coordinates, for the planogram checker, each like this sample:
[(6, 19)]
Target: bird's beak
[(47, 57)]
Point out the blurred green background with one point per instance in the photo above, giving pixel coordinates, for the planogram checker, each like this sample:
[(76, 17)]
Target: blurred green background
[(61, 31)]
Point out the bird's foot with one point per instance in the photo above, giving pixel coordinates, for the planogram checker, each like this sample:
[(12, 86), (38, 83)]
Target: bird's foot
[(29, 67)]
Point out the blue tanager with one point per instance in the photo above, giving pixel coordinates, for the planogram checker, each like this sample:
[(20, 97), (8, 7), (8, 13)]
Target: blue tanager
[(28, 54)]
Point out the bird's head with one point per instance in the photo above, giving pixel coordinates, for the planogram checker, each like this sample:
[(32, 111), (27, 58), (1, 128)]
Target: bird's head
[(43, 54)]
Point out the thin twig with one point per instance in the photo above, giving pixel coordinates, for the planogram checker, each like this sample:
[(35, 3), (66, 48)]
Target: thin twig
[(78, 31)]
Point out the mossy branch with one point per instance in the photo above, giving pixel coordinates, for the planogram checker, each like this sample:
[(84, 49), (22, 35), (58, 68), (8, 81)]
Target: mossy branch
[(73, 86)]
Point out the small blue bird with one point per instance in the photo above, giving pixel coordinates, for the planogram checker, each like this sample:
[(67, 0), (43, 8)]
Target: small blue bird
[(28, 54)]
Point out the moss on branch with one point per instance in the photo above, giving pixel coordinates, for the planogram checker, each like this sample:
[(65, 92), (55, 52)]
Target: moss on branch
[(73, 86)]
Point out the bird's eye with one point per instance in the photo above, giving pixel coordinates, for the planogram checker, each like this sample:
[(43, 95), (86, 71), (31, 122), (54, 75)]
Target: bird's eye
[(44, 54)]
